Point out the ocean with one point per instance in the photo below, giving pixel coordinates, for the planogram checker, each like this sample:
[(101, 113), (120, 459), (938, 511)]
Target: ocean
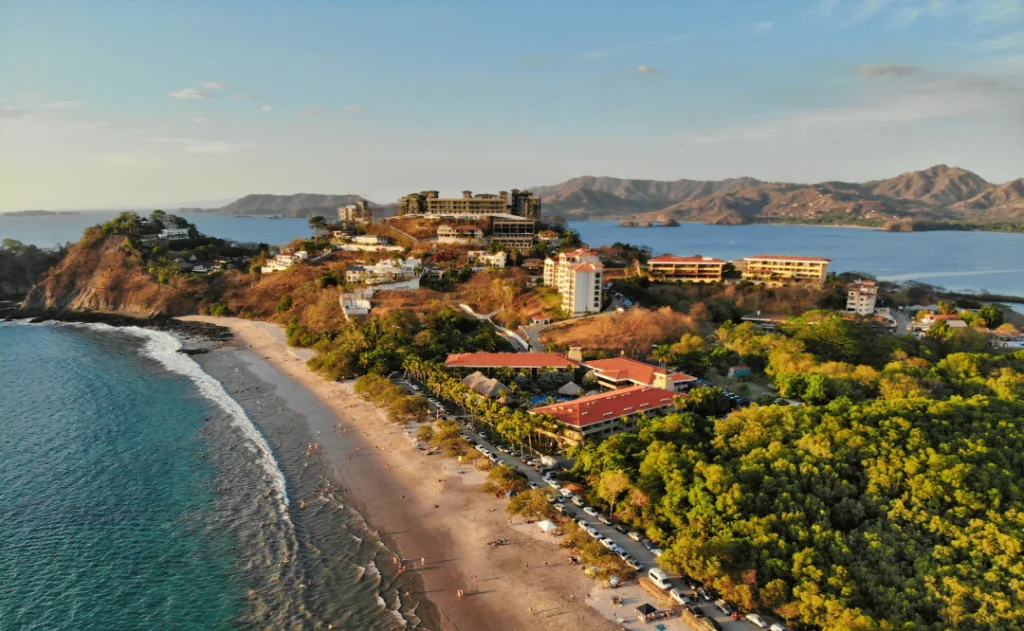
[(135, 493)]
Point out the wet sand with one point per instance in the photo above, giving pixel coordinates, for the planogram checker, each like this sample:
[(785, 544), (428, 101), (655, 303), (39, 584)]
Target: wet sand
[(429, 510)]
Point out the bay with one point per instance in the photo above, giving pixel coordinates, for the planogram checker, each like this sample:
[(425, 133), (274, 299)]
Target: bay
[(991, 262)]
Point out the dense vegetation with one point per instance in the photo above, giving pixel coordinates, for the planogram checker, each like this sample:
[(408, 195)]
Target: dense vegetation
[(381, 345), (892, 500), (21, 266)]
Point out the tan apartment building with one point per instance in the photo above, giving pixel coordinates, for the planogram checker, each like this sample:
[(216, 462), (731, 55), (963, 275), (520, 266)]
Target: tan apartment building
[(697, 269), (577, 275), (861, 297), (514, 233), (774, 270), (359, 212), (430, 203)]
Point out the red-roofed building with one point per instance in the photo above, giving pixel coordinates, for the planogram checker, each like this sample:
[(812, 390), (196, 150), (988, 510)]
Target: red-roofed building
[(697, 269), (776, 270), (620, 372), (601, 415), (488, 362)]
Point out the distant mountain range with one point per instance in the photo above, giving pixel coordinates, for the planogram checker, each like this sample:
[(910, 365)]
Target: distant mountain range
[(940, 194), (298, 205)]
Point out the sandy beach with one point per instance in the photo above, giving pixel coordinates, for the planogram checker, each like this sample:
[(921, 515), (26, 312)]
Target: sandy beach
[(429, 509)]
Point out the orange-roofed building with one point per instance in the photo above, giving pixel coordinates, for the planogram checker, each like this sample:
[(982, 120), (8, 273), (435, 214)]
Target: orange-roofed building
[(601, 415), (775, 270), (697, 269), (620, 372), (489, 362)]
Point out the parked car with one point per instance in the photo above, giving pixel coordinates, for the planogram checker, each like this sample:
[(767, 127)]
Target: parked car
[(559, 509), (705, 593), (711, 624), (604, 520), (553, 484), (620, 528), (647, 543), (635, 536), (777, 627), (659, 578), (633, 563), (696, 611), (757, 620), (619, 552), (534, 485), (679, 597), (577, 500), (657, 552), (582, 523), (593, 532), (565, 492), (590, 511), (606, 542), (723, 606)]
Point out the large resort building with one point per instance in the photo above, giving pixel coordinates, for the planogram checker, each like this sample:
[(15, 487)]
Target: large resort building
[(697, 269), (430, 203), (775, 270), (521, 362), (601, 415), (578, 277)]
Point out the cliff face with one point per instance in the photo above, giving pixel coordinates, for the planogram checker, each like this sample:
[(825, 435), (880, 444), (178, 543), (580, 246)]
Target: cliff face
[(107, 277)]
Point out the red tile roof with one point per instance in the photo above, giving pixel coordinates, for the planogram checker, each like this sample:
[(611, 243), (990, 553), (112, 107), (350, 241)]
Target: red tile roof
[(620, 368), (508, 360), (782, 257), (672, 258), (586, 267), (608, 405)]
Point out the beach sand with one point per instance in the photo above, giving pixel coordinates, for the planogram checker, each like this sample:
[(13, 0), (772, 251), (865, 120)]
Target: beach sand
[(428, 508)]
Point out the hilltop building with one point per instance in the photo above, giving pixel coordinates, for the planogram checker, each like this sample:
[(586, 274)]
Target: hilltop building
[(482, 258), (359, 212), (577, 275), (459, 234), (775, 270), (175, 234), (283, 261), (430, 203), (861, 297), (601, 415), (385, 271), (697, 269), (514, 233)]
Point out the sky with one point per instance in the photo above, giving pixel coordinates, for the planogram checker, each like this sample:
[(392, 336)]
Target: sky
[(109, 104)]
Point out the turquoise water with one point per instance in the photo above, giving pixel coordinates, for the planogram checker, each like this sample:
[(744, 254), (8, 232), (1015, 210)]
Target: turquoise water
[(107, 502), (136, 493)]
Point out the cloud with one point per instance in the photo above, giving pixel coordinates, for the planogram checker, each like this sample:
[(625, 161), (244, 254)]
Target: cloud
[(64, 104), (906, 16), (1008, 41), (313, 110), (826, 8), (645, 69), (200, 120), (762, 27), (358, 109), (213, 85), (266, 108), (190, 94), (12, 113), (998, 12), (866, 10), (127, 159), (913, 103), (886, 70), (243, 97), (192, 145), (98, 125)]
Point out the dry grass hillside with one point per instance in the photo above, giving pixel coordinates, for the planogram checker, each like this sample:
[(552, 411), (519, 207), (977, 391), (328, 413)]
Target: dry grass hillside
[(107, 276), (634, 331)]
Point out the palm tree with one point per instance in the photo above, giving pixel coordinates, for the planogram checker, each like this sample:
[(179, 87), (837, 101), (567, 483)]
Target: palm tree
[(663, 354)]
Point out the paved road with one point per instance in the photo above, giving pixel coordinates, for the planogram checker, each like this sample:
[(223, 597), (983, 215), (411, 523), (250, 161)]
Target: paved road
[(902, 321), (533, 335)]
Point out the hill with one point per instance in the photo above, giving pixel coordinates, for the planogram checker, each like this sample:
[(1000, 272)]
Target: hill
[(298, 205), (940, 195)]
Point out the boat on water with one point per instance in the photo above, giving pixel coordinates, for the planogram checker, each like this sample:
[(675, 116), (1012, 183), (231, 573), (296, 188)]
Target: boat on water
[(274, 217)]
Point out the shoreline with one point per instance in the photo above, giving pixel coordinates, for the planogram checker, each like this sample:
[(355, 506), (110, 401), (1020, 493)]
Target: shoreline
[(428, 508)]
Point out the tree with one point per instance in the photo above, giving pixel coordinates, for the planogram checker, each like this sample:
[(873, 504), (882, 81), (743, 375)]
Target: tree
[(284, 304), (612, 485), (317, 223)]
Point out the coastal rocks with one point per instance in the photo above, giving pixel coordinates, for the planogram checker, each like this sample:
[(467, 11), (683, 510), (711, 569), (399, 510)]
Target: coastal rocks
[(199, 332)]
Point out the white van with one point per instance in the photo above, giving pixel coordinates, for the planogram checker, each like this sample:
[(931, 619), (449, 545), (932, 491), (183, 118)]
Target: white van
[(659, 578)]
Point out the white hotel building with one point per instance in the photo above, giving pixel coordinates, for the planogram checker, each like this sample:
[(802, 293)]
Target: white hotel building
[(578, 276)]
